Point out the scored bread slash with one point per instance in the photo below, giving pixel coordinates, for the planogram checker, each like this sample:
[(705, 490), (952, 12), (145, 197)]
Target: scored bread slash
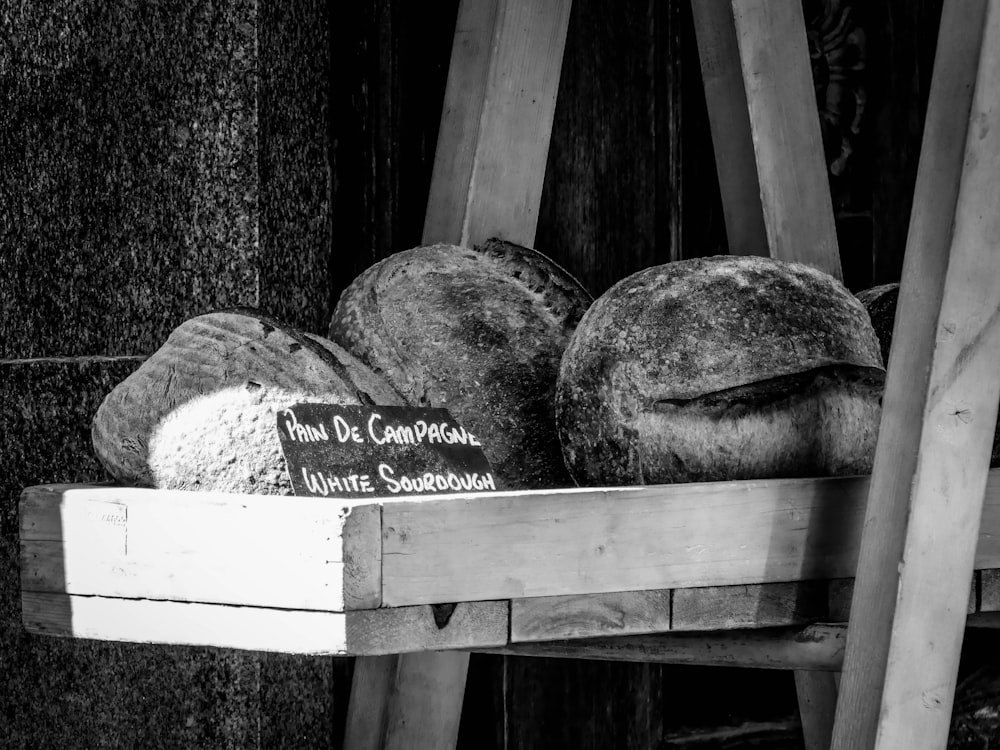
[(881, 301)]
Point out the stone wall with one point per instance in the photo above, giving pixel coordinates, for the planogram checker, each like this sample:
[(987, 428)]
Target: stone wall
[(159, 160)]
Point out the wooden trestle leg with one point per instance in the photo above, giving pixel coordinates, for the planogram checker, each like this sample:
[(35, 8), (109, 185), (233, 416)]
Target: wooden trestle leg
[(939, 411), (772, 176), (487, 182)]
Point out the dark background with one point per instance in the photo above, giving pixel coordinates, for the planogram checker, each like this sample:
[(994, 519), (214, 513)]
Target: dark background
[(160, 160)]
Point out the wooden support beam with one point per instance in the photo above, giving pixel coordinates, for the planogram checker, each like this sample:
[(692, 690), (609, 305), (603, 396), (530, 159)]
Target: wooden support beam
[(815, 647), (553, 618), (748, 606), (406, 701), (729, 121), (940, 406), (487, 182), (499, 104), (817, 696), (291, 631), (784, 126)]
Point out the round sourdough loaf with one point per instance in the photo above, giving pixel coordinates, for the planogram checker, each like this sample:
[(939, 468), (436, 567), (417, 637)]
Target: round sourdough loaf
[(199, 414), (720, 368), (881, 301), (479, 332)]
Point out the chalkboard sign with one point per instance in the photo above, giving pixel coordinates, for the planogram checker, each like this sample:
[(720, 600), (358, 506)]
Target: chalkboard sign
[(379, 451)]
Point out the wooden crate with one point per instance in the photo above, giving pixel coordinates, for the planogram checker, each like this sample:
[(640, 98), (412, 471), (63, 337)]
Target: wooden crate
[(324, 576)]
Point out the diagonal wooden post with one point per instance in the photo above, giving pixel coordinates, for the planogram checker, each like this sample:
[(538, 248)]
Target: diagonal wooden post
[(729, 121), (772, 176), (487, 181), (765, 131), (925, 500)]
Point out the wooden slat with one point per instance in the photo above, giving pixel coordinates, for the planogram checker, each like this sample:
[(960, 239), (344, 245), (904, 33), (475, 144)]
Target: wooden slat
[(817, 696), (181, 623), (989, 591), (362, 632), (406, 701), (939, 412), (586, 541), (497, 121), (408, 629), (461, 116), (487, 182), (813, 647), (200, 547), (750, 606), (594, 541), (576, 542), (729, 121), (551, 618), (842, 591), (794, 186)]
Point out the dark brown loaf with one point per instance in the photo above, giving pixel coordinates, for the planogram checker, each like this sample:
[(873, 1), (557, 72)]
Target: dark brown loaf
[(720, 368), (479, 332), (200, 412), (880, 302)]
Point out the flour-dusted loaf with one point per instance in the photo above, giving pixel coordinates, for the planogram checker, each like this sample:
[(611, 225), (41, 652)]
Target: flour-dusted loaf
[(200, 412), (479, 332), (720, 368), (881, 301)]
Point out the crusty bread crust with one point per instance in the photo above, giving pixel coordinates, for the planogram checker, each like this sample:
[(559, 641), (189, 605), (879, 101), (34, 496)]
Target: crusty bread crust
[(880, 302), (210, 393), (719, 368), (479, 332), (821, 423)]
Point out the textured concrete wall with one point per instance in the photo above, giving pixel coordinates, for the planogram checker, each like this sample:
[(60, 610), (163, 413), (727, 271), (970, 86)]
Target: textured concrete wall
[(157, 160)]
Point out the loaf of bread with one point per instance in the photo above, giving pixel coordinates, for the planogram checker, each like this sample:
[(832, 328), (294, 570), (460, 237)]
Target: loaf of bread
[(720, 368), (881, 301), (479, 332), (199, 414)]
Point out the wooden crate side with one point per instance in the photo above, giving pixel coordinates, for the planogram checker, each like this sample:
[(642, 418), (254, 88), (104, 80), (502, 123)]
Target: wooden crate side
[(200, 547)]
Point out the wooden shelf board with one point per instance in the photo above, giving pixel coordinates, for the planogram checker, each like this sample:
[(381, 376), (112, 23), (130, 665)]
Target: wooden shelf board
[(295, 574)]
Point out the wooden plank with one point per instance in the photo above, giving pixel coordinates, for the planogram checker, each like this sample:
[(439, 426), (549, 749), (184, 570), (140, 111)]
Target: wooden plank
[(406, 701), (818, 646), (497, 120), (842, 591), (584, 541), (408, 629), (581, 541), (487, 182), (183, 623), (551, 618), (362, 632), (200, 547), (989, 591), (794, 187), (939, 413), (817, 695), (751, 606), (482, 547), (729, 121), (461, 117)]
